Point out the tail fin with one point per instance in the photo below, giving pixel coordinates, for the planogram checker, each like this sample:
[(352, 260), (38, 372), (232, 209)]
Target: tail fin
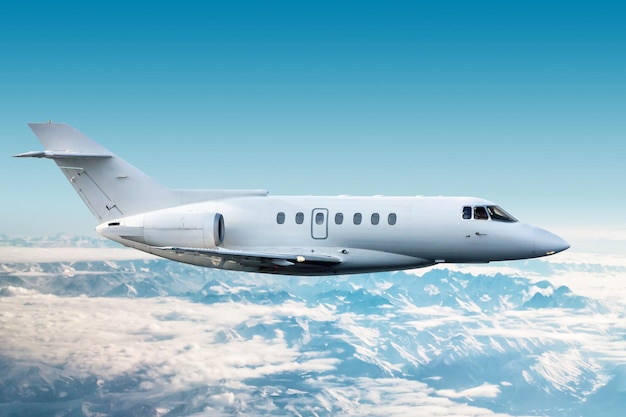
[(110, 186)]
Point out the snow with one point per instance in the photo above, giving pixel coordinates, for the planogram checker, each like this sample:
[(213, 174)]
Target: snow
[(448, 340)]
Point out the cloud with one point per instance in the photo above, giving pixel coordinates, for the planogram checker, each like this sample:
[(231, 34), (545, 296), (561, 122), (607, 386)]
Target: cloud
[(109, 337), (397, 397), (171, 345), (483, 391), (13, 254), (174, 346), (225, 399), (595, 275)]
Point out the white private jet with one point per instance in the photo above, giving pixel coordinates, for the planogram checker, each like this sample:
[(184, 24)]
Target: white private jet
[(248, 230)]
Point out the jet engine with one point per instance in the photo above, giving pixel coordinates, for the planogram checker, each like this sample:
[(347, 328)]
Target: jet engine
[(194, 230), (169, 228)]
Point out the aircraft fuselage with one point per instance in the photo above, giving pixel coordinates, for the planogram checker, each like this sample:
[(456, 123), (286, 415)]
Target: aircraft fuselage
[(366, 234)]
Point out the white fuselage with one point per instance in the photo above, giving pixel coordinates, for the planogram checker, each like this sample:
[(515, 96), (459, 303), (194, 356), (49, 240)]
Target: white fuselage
[(393, 233)]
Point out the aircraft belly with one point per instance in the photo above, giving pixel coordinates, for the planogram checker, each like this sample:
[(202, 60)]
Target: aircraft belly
[(362, 260), (356, 261)]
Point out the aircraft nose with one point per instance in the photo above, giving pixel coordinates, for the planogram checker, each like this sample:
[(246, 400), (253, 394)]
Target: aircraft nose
[(547, 243)]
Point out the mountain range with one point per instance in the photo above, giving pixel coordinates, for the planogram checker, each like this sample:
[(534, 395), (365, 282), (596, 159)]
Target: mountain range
[(150, 337)]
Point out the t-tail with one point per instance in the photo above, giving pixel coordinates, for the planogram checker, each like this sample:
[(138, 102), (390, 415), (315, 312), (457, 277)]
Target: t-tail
[(111, 187)]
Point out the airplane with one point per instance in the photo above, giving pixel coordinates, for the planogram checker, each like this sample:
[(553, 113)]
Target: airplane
[(249, 230)]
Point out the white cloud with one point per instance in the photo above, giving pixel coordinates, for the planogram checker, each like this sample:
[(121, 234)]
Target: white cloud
[(483, 391), (225, 399), (179, 345), (398, 397), (109, 337), (595, 275), (12, 254), (546, 292), (590, 258)]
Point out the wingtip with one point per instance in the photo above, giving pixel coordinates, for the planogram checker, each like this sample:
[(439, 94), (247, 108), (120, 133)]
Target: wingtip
[(30, 154)]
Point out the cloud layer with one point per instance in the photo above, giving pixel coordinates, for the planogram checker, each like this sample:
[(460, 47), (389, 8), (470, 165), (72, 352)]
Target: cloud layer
[(466, 340)]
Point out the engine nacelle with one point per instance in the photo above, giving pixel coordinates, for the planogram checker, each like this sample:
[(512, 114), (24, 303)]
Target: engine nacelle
[(195, 230), (169, 228)]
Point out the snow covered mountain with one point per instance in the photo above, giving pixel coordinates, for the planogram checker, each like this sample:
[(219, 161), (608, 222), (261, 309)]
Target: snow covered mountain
[(149, 337)]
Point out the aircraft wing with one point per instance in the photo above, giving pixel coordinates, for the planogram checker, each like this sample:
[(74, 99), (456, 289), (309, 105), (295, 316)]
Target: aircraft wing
[(259, 259)]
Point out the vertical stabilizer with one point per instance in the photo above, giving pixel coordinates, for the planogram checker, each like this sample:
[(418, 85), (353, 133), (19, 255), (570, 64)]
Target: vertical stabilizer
[(109, 186)]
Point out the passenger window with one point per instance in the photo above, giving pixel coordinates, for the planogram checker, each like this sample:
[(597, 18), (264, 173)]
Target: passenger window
[(480, 213), (299, 218), (357, 218), (467, 212), (375, 218), (339, 218), (319, 218), (280, 218), (391, 219)]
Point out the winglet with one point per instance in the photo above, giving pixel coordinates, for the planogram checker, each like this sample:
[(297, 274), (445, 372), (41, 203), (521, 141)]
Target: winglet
[(31, 154)]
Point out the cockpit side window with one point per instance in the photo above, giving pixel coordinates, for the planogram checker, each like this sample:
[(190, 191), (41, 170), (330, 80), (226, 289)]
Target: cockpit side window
[(467, 212), (480, 213), (500, 215)]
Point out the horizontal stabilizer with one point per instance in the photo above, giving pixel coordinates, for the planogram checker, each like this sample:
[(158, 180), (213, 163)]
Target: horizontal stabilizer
[(61, 155)]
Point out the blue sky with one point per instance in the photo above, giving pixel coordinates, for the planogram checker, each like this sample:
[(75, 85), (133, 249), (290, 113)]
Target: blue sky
[(523, 103)]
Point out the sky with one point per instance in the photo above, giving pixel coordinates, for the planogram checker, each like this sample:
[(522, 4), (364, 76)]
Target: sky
[(522, 103)]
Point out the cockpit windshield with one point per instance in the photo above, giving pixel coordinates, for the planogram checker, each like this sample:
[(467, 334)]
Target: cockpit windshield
[(497, 214), (494, 213)]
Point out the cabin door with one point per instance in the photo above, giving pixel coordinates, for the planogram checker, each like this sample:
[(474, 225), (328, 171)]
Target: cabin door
[(319, 223)]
